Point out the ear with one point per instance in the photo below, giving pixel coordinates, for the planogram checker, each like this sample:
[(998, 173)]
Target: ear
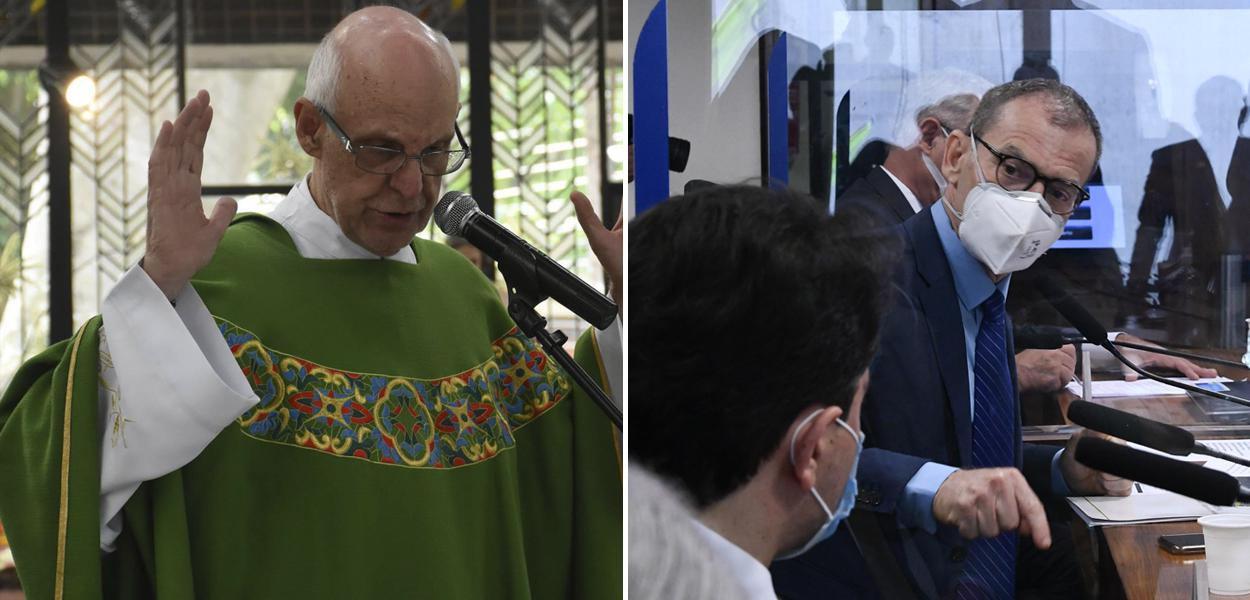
[(861, 389), (957, 145), (807, 447), (308, 124), (930, 133)]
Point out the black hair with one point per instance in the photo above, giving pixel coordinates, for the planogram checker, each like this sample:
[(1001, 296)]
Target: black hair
[(747, 305)]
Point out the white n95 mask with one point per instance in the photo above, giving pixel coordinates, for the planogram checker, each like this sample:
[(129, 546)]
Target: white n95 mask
[(935, 173), (1005, 231), (932, 167)]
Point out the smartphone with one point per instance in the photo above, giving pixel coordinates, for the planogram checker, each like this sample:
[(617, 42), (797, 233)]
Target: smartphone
[(1189, 543)]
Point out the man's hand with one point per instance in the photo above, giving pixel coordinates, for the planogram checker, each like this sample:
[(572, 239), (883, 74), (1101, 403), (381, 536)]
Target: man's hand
[(983, 503), (1150, 359), (181, 241), (607, 244), (1045, 370), (1084, 481)]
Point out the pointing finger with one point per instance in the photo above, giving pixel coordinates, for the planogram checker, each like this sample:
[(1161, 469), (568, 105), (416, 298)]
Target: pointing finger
[(1032, 513)]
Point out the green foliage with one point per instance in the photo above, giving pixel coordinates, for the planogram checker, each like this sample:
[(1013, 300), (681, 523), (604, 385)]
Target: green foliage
[(281, 158), (10, 268), (19, 91)]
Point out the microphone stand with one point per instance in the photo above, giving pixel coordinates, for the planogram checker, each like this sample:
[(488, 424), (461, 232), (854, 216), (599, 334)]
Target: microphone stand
[(1111, 347), (1200, 448), (520, 271)]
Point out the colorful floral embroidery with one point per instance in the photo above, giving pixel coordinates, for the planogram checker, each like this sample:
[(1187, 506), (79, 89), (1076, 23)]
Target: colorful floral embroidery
[(435, 424)]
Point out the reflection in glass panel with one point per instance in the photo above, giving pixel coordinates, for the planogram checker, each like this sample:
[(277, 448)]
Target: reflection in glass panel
[(1159, 248), (1172, 99)]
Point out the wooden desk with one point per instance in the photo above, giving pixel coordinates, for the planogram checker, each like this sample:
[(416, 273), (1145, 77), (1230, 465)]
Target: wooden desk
[(1128, 559), (1142, 568)]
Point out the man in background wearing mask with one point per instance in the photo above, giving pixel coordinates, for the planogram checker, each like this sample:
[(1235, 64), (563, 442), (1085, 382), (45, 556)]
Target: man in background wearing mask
[(954, 491), (909, 180), (754, 317)]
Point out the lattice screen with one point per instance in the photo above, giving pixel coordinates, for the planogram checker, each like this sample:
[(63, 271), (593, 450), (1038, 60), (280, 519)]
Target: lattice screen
[(136, 89), (23, 204), (545, 118)]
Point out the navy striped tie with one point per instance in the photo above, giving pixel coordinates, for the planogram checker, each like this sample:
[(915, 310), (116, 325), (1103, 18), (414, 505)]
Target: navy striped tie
[(991, 568)]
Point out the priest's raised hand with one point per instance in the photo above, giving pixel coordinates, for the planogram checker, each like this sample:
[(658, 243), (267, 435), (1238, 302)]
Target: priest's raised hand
[(181, 240)]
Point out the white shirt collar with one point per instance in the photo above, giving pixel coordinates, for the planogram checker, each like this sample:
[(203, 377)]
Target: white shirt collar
[(752, 576), (316, 235), (911, 198)]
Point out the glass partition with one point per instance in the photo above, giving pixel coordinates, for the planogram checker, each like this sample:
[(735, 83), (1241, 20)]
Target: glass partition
[(1159, 249)]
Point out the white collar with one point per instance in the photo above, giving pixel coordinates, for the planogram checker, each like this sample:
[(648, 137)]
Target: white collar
[(316, 235), (907, 193), (752, 576)]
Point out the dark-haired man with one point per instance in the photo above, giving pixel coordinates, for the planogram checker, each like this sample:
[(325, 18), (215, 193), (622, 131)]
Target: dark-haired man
[(946, 472), (754, 318)]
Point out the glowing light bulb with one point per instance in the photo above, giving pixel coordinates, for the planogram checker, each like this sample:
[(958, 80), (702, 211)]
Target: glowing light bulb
[(80, 92)]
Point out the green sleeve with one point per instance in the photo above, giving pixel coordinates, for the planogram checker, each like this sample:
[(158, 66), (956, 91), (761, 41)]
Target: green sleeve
[(597, 487), (50, 469)]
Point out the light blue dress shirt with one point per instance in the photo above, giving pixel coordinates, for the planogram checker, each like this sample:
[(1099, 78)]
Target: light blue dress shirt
[(973, 285)]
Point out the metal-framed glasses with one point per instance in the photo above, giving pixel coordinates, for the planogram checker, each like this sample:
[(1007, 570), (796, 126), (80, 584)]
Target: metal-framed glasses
[(384, 161), (1016, 175)]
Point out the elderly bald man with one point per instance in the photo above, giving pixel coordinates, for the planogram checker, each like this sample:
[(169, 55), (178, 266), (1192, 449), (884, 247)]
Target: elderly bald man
[(313, 403)]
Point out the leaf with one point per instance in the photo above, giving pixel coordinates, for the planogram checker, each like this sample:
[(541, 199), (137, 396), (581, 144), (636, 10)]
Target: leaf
[(10, 268)]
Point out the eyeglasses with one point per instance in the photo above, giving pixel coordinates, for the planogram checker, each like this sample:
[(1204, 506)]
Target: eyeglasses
[(384, 161), (1016, 175)]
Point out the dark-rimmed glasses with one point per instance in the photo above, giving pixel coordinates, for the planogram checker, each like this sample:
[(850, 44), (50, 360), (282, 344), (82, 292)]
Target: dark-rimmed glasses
[(384, 161), (1017, 175)]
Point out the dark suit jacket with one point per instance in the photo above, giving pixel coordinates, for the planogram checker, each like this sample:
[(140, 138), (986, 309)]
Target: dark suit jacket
[(877, 194), (917, 410), (1181, 188)]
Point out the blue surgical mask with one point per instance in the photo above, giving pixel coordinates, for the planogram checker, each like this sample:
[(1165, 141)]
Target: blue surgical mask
[(832, 519)]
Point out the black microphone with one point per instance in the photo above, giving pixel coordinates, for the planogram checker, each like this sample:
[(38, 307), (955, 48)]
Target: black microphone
[(457, 214), (1073, 312), (1171, 352), (1097, 334), (1199, 483), (1042, 337), (1126, 426), (1152, 434)]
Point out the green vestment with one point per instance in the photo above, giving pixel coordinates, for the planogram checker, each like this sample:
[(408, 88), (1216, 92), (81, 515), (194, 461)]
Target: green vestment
[(409, 442)]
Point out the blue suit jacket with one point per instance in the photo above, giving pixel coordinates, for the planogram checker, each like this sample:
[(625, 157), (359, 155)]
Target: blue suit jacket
[(917, 410)]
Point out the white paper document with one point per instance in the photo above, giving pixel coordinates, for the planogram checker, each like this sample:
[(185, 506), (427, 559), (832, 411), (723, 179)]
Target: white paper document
[(1141, 387), (1148, 504)]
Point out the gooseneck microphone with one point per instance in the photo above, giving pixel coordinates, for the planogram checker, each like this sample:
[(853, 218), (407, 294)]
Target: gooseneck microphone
[(533, 277), (1171, 352), (1042, 337), (1199, 483), (1097, 334), (1152, 434), (457, 214)]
